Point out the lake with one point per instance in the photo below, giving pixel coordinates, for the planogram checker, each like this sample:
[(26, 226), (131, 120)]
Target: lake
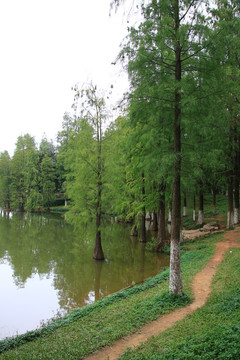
[(47, 269)]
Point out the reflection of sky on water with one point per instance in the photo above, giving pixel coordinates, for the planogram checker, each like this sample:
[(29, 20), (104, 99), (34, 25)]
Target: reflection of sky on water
[(91, 297), (29, 304)]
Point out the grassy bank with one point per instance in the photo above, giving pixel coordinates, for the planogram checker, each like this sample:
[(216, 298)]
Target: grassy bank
[(212, 332), (92, 327)]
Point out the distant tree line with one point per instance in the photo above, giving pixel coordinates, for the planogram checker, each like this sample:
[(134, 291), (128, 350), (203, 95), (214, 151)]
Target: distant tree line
[(30, 179), (179, 137)]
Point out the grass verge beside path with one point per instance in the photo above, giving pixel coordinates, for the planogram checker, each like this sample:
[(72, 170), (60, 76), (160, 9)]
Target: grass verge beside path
[(212, 332), (92, 327)]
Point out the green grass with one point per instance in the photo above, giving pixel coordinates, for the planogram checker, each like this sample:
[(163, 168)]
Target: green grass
[(212, 332), (87, 329)]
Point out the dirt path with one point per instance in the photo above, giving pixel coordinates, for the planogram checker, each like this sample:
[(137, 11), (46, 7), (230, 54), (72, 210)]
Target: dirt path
[(201, 290)]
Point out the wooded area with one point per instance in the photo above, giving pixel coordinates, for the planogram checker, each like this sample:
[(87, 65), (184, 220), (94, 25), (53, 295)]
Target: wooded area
[(179, 137)]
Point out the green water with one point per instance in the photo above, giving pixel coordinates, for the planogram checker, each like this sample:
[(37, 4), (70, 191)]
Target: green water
[(47, 268)]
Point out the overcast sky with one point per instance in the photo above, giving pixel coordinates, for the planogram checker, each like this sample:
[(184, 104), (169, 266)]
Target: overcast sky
[(47, 46)]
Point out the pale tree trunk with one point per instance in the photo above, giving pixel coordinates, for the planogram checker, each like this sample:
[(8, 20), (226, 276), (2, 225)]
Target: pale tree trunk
[(236, 180), (175, 280), (194, 208), (185, 205), (236, 201), (200, 209), (230, 217), (169, 215)]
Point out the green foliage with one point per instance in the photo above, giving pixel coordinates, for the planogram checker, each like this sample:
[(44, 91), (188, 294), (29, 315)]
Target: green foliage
[(152, 244), (48, 177), (81, 178), (116, 194), (220, 343), (29, 179), (5, 180), (24, 174), (46, 148)]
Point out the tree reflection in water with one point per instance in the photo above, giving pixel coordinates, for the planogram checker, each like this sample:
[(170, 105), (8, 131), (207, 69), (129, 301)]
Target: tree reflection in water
[(45, 245)]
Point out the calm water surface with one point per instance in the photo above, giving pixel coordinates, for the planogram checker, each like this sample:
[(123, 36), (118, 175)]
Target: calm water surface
[(46, 267)]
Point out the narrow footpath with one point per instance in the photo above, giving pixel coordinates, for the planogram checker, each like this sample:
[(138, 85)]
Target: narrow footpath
[(201, 286)]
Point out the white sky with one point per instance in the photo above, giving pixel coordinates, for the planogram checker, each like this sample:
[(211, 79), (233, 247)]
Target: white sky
[(46, 47)]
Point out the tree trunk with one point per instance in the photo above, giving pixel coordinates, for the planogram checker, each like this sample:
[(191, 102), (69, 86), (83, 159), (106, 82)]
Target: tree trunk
[(169, 215), (134, 231), (185, 205), (154, 226), (230, 217), (236, 179), (143, 217), (175, 283), (200, 209), (161, 236), (143, 227), (98, 251), (236, 200), (194, 208), (175, 280)]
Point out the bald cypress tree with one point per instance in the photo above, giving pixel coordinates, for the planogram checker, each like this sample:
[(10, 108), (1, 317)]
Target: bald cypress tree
[(84, 161)]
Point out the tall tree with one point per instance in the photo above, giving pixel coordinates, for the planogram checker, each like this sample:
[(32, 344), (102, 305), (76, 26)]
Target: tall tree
[(24, 185), (85, 161)]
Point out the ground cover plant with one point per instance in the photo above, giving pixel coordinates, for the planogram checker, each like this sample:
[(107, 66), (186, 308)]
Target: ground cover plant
[(212, 332), (107, 320)]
